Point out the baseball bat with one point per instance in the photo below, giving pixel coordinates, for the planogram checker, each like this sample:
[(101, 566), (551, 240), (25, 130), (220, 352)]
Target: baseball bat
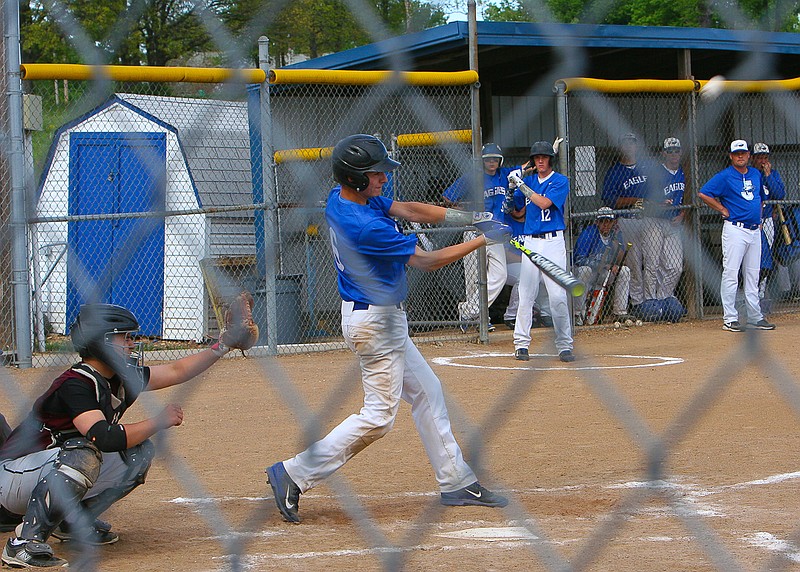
[(787, 238), (560, 276)]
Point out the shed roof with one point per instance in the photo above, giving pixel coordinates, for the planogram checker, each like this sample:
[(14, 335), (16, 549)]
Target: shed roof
[(214, 137)]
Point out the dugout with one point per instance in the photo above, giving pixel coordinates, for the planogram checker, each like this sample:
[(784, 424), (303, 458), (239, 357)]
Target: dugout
[(137, 154)]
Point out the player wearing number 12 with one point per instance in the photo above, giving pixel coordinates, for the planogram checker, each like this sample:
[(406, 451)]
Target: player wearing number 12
[(370, 254), (543, 234)]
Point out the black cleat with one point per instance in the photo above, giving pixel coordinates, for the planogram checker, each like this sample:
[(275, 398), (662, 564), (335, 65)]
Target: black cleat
[(521, 354), (474, 495), (30, 554), (100, 534), (287, 493), (566, 356)]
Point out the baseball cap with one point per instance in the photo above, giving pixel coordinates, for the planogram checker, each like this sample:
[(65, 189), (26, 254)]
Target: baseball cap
[(739, 145), (605, 212), (628, 137), (760, 149), (672, 143)]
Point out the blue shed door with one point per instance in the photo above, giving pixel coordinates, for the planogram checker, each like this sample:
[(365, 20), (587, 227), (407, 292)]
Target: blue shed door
[(118, 260)]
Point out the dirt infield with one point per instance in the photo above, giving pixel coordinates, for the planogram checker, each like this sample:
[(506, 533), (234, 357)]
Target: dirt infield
[(567, 442)]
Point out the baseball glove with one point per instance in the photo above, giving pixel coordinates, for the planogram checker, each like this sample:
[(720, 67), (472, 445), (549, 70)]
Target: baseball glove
[(240, 331)]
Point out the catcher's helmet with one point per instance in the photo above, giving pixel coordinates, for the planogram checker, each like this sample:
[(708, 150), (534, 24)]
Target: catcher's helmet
[(95, 322), (492, 151), (542, 148), (355, 156)]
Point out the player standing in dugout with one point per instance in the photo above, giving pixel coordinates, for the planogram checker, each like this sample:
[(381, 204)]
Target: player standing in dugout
[(370, 254)]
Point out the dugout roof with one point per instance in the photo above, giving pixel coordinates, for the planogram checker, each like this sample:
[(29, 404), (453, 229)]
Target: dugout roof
[(512, 56)]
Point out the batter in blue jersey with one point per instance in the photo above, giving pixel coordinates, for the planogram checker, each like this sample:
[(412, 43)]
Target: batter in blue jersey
[(736, 193), (370, 254)]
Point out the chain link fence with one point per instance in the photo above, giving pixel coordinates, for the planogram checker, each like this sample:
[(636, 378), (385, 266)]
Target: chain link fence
[(166, 196)]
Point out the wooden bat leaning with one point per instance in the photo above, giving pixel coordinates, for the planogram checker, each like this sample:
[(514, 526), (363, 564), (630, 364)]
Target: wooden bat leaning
[(561, 277), (787, 238)]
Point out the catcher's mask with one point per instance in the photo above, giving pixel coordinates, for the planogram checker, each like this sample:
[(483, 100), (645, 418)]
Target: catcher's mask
[(492, 151), (355, 156), (93, 335)]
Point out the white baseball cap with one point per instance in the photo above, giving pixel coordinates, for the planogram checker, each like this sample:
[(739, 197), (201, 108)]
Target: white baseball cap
[(760, 149), (739, 145), (672, 143)]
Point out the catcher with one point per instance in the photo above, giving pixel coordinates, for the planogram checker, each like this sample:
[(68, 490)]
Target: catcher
[(70, 459)]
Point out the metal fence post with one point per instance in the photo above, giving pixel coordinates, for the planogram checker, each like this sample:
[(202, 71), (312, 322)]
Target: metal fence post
[(477, 170), (16, 155), (270, 201), (562, 132)]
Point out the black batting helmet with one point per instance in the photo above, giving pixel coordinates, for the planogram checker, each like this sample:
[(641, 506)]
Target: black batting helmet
[(542, 148), (355, 156), (492, 151), (94, 323)]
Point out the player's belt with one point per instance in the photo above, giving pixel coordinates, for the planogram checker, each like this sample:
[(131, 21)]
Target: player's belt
[(553, 234), (745, 225), (365, 306)]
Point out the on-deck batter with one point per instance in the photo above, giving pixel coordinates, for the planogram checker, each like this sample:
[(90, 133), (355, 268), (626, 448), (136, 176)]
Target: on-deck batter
[(544, 234)]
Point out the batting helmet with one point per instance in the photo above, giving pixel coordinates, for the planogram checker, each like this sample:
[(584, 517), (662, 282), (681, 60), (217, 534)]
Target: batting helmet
[(355, 156), (492, 151), (95, 322), (542, 148)]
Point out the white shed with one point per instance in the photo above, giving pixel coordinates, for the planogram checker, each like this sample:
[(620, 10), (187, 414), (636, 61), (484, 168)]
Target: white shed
[(143, 154)]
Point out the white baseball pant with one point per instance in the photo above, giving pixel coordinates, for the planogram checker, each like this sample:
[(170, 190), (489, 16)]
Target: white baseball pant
[(391, 368), (496, 275), (552, 248), (633, 232), (741, 249)]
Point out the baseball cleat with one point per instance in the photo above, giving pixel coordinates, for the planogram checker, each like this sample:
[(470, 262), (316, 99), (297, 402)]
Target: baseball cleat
[(732, 327), (473, 495), (521, 354), (30, 554), (287, 493), (566, 356), (99, 535), (762, 324)]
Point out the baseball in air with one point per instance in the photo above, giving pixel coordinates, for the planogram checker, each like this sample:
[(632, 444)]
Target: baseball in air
[(712, 89)]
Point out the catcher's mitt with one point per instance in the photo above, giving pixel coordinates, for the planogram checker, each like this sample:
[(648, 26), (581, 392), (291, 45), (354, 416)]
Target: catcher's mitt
[(239, 331)]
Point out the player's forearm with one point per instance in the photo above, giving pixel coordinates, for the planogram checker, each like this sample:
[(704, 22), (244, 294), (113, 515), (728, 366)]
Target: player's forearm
[(418, 212), (182, 370), (435, 259)]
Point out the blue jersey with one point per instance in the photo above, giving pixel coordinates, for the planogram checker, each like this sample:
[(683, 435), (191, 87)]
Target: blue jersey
[(369, 250), (671, 189), (538, 221), (740, 193), (774, 190), (494, 192), (590, 248), (623, 181)]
